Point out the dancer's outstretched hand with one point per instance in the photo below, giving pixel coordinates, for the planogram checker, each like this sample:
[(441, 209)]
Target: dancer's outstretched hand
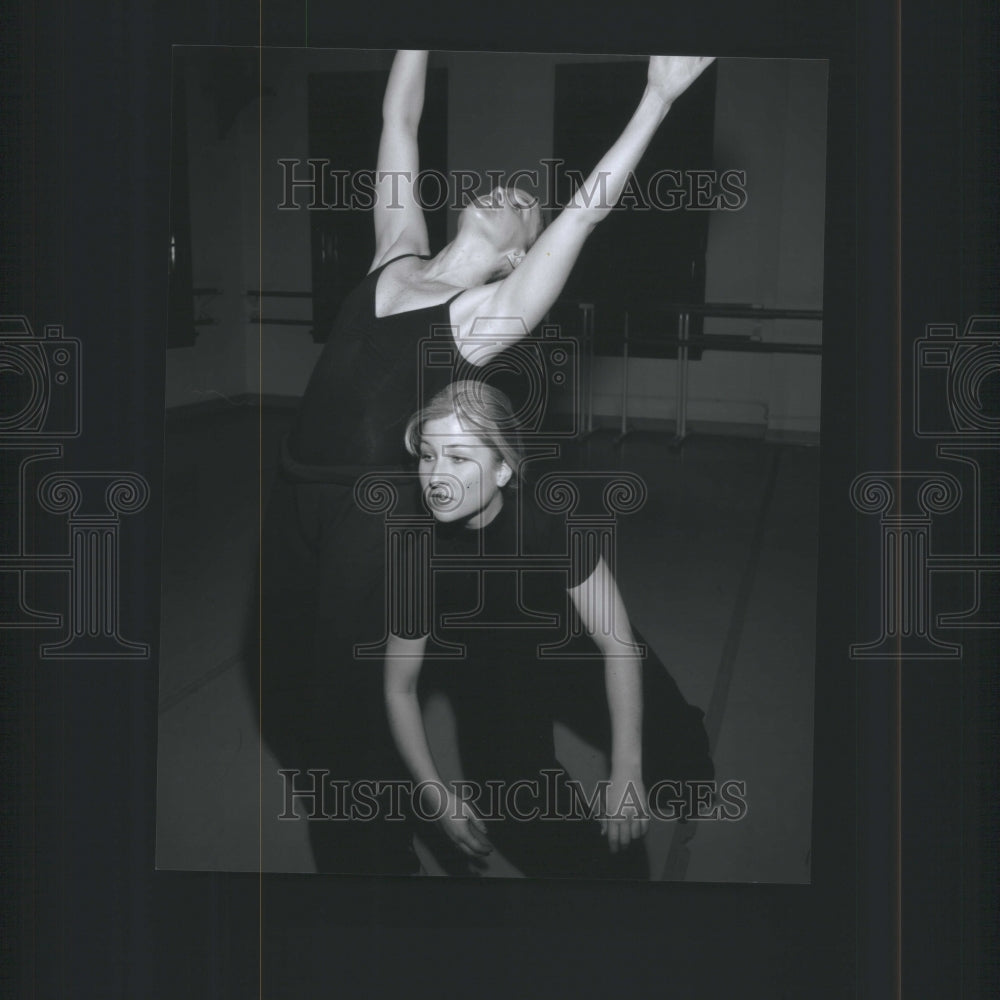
[(670, 76)]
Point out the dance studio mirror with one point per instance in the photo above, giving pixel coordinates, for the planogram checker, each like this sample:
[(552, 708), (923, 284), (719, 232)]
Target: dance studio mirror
[(492, 465)]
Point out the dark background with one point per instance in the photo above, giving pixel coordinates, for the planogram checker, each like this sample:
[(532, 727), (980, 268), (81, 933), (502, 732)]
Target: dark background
[(85, 203), (658, 257)]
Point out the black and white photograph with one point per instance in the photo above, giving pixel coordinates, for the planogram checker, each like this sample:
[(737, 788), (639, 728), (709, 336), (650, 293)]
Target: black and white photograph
[(491, 471), (499, 500)]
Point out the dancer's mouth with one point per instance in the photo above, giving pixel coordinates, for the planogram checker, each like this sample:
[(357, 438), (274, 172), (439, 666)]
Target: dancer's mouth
[(439, 496), (495, 199)]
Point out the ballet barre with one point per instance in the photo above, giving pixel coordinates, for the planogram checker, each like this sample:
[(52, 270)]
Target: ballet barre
[(257, 294), (685, 341)]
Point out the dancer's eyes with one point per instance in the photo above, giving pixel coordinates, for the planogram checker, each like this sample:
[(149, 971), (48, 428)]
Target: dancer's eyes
[(424, 457)]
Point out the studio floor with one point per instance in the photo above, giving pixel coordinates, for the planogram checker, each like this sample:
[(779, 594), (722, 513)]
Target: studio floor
[(718, 571)]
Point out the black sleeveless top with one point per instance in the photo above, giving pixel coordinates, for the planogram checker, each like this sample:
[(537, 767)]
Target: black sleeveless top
[(367, 383)]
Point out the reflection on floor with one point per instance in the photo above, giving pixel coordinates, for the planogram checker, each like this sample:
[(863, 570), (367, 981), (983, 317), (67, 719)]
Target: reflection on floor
[(718, 570)]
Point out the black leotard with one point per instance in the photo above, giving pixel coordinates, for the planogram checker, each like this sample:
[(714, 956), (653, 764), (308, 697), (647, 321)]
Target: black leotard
[(365, 385)]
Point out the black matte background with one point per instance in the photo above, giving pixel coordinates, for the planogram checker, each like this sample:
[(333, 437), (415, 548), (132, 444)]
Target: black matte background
[(85, 185)]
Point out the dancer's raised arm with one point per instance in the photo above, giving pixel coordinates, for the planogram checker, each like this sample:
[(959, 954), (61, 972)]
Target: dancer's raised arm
[(399, 218), (506, 310)]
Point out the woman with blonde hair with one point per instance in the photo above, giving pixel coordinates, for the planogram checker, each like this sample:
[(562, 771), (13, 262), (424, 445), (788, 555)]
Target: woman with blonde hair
[(506, 695)]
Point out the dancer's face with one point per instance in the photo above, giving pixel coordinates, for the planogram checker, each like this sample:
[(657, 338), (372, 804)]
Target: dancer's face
[(509, 217), (461, 476)]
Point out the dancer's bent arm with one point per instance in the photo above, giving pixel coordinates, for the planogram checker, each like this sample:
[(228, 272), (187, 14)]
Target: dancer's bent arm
[(403, 663), (603, 615)]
